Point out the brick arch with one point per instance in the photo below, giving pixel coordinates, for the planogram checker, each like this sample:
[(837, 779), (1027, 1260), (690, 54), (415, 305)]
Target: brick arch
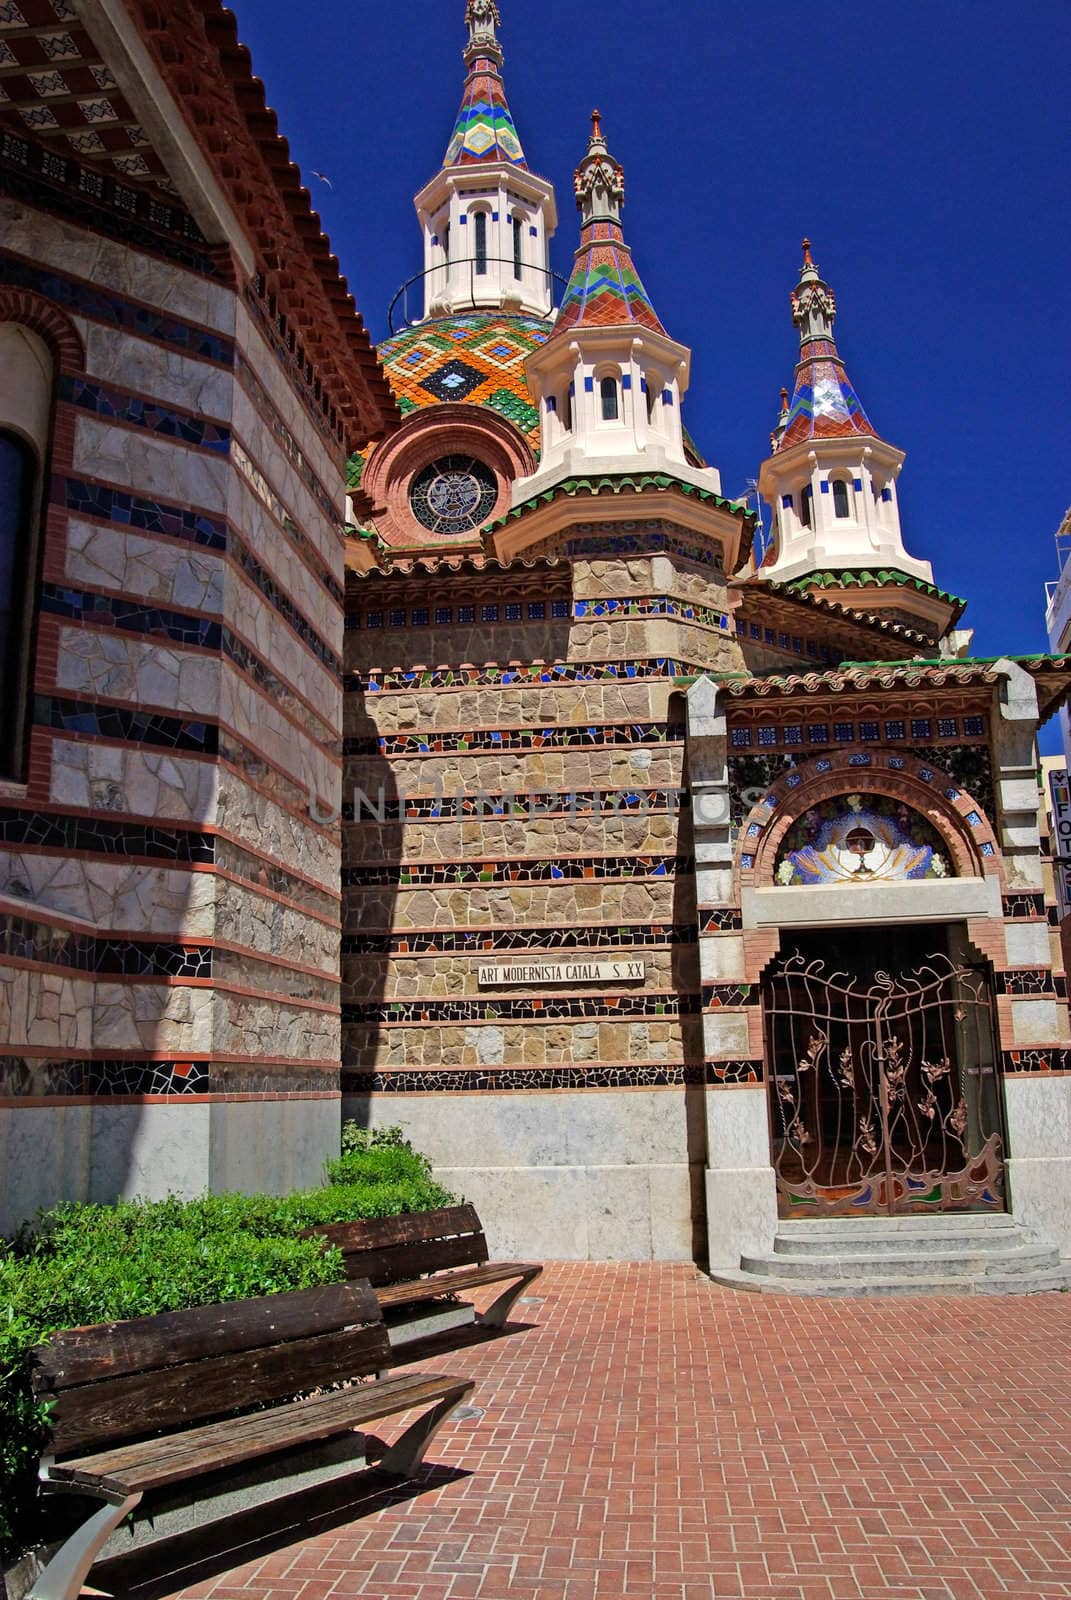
[(51, 324), (950, 809)]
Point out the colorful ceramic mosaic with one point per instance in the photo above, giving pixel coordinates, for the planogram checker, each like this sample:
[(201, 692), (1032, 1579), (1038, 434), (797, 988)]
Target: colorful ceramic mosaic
[(605, 290), (861, 839), (523, 1080), (566, 869), (485, 941), (824, 404), (465, 741), (484, 130), (524, 1008), (478, 359), (493, 676), (530, 803)]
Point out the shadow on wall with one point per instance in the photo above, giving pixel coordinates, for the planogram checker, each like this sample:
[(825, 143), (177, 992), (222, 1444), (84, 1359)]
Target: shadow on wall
[(372, 845), (687, 981)]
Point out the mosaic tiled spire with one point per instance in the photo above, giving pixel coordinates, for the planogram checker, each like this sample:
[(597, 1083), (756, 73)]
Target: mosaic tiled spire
[(484, 130), (605, 289), (824, 404)]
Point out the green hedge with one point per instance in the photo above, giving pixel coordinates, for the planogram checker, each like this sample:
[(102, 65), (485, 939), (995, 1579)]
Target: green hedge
[(85, 1264)]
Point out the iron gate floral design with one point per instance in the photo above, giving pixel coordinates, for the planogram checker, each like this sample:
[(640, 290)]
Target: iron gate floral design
[(883, 1094)]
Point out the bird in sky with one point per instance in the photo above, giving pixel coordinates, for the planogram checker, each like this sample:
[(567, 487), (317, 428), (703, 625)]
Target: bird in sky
[(323, 178)]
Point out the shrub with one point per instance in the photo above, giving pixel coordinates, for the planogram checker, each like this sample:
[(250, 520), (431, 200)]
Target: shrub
[(82, 1264)]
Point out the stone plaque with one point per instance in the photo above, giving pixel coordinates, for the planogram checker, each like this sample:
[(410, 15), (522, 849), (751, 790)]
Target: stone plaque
[(564, 972)]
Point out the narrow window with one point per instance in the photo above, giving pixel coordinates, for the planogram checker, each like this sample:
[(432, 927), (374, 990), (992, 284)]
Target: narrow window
[(481, 243), (610, 407), (446, 241), (840, 498), (806, 498), (18, 472), (518, 258), (653, 391)]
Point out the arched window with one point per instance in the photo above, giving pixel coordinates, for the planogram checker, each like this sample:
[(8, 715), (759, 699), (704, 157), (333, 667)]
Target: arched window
[(26, 377), (518, 248), (806, 506), (481, 243), (654, 389), (841, 505), (565, 411), (611, 408)]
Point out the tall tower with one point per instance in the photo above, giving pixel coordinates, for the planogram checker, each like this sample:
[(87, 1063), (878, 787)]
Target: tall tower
[(609, 381), (831, 482), (487, 220)]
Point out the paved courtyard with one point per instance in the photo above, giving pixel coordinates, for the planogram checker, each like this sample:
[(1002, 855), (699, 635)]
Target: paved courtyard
[(659, 1437)]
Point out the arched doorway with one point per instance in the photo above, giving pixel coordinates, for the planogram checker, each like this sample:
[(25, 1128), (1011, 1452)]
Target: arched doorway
[(881, 1062)]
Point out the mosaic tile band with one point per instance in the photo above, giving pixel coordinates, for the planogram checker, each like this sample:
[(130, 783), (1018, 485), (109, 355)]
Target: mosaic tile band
[(462, 874), (521, 1080)]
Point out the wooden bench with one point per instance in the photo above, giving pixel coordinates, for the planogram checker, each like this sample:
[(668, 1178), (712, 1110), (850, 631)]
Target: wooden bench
[(408, 1259), (139, 1406)]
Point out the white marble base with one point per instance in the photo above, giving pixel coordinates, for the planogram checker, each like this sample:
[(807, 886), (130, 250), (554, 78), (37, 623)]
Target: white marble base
[(741, 1214), (102, 1153)]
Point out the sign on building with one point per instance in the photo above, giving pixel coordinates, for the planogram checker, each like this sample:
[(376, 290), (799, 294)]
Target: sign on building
[(1060, 805), (565, 972)]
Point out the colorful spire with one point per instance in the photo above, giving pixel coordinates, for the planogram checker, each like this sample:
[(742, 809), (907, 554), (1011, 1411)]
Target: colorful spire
[(605, 288), (824, 404), (484, 130)]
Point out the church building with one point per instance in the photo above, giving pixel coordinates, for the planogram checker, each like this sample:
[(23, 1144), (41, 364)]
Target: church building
[(429, 740), (684, 895)]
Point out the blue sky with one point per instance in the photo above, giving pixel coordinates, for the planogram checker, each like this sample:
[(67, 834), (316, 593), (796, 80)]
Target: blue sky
[(922, 146)]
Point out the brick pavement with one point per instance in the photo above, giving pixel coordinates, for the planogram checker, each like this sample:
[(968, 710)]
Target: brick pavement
[(659, 1437)]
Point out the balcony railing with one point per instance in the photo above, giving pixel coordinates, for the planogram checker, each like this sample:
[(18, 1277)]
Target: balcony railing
[(454, 274)]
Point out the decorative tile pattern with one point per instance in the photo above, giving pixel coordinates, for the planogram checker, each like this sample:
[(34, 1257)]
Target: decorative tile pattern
[(824, 404), (521, 1080), (722, 996), (48, 830), (25, 939), (720, 920), (378, 681), (521, 1008), (1029, 981), (26, 1077), (595, 737), (588, 541), (531, 804), (650, 606), (484, 130), (1056, 1059), (126, 724), (481, 942), (135, 511), (86, 301), (1023, 905), (566, 869), (119, 406), (605, 290), (486, 352)]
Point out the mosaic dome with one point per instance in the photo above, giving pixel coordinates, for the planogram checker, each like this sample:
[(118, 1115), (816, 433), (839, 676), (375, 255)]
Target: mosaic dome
[(477, 358)]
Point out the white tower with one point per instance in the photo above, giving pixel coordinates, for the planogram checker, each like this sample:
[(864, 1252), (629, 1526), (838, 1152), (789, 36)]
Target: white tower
[(831, 481), (487, 220), (609, 381)]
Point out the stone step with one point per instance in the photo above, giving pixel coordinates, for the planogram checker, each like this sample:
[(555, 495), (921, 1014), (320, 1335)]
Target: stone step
[(858, 1227), (946, 1241), (866, 1288), (932, 1262)]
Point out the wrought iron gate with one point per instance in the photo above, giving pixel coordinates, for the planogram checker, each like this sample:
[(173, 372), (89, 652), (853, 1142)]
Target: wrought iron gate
[(883, 1095)]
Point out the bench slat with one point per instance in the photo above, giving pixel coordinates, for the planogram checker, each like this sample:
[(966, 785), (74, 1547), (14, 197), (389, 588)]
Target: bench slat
[(139, 1403), (156, 1463), (373, 1233), (398, 1294), (391, 1262), (112, 1350)]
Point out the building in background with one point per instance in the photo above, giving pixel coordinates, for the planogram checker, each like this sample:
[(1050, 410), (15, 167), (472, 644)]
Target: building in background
[(183, 375), (701, 895)]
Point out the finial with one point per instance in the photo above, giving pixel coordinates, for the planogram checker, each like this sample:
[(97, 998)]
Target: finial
[(600, 180), (784, 401), (808, 260), (482, 18)]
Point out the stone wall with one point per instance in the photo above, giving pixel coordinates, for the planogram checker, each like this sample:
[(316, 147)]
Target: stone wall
[(169, 908), (538, 813)]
